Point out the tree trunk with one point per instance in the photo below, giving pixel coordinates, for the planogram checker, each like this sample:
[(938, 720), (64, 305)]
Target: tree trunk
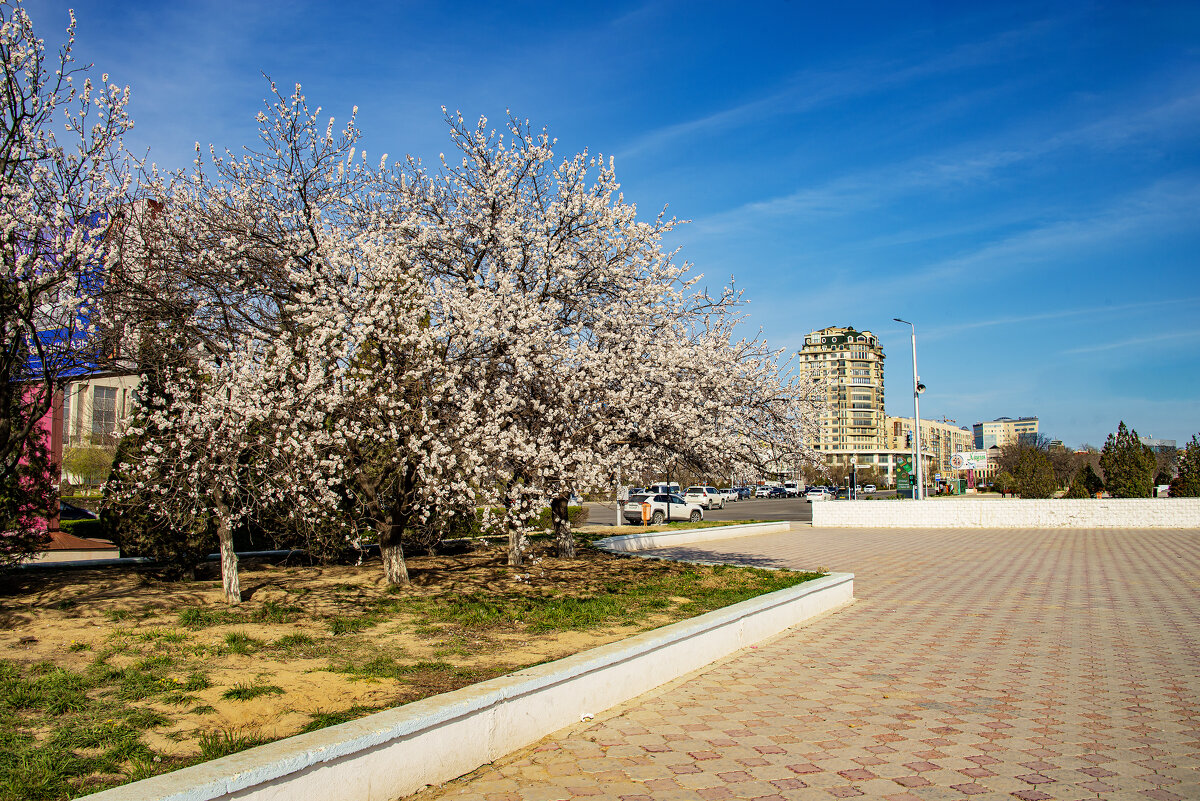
[(389, 527), (516, 544), (392, 552), (229, 560), (563, 538)]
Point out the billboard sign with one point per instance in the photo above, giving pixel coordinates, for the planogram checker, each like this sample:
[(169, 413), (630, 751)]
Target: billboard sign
[(969, 460), (904, 473)]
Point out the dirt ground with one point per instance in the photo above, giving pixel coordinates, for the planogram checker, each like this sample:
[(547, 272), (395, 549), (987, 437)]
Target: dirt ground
[(310, 645)]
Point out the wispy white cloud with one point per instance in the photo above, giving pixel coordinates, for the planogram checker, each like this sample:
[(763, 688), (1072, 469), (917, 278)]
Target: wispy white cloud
[(866, 75), (1171, 204), (1105, 310), (1168, 203), (1135, 342), (1173, 117)]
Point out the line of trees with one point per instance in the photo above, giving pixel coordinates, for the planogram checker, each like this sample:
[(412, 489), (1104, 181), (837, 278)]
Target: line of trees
[(353, 348), (1125, 468)]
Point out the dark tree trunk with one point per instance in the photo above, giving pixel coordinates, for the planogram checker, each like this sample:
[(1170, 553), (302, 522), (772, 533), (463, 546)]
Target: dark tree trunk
[(389, 526), (563, 538)]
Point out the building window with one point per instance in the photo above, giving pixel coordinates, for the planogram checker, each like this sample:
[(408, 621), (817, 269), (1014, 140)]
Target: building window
[(66, 424), (104, 415)]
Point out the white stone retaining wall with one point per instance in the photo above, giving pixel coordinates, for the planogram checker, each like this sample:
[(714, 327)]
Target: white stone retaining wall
[(1011, 513), (629, 543), (397, 752)]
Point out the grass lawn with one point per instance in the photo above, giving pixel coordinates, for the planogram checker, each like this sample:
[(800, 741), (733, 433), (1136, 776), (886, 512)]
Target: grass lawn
[(109, 675)]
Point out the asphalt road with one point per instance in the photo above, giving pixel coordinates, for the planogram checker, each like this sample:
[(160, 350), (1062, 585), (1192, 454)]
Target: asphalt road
[(749, 509)]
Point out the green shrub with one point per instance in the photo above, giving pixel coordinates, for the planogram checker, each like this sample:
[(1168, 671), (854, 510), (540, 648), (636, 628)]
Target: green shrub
[(577, 515), (91, 529)]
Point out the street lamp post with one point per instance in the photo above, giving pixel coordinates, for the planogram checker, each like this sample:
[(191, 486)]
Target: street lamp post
[(918, 388)]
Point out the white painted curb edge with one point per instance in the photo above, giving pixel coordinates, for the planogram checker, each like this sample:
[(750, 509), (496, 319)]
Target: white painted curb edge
[(399, 751), (627, 543)]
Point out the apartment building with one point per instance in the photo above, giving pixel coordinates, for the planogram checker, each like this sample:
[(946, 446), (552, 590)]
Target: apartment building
[(851, 363), (1003, 431), (940, 439), (96, 407)]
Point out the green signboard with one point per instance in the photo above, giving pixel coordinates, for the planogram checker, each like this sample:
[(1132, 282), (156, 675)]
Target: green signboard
[(904, 474)]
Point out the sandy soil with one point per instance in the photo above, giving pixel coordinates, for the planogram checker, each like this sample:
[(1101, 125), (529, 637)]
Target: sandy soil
[(71, 617)]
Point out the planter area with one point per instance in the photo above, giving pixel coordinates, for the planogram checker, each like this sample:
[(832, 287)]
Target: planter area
[(399, 751)]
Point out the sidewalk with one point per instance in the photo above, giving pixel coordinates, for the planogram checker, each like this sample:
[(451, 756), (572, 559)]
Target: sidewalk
[(1029, 664)]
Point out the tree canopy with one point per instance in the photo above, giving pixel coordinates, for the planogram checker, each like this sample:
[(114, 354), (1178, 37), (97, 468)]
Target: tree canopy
[(1128, 464), (1187, 483)]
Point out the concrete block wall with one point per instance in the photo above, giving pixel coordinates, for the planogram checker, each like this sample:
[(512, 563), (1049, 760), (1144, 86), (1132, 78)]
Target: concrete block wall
[(1011, 513)]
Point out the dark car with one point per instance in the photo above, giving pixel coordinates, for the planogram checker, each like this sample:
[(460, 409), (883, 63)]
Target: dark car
[(777, 492), (69, 511), (843, 493)]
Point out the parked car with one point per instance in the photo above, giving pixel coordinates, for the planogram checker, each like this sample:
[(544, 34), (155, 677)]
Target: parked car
[(777, 492), (69, 511), (762, 492), (817, 494), (707, 497), (842, 494), (745, 492), (730, 494), (663, 506), (869, 488)]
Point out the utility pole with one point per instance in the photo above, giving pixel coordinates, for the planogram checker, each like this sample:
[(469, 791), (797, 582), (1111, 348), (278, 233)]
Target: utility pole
[(918, 388)]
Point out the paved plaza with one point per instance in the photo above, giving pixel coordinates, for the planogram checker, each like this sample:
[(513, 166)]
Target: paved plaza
[(1029, 664)]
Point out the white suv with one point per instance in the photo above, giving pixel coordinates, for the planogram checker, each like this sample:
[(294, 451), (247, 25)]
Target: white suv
[(663, 507), (708, 497)]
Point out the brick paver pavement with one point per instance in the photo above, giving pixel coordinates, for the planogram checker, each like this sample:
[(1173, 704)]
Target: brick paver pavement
[(1028, 664)]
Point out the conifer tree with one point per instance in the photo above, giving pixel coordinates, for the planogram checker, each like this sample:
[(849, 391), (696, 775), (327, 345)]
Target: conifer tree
[(1128, 464), (1187, 483), (1086, 483)]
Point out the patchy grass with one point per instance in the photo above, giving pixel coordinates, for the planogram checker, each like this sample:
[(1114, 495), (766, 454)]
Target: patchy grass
[(108, 676), (214, 745), (245, 692)]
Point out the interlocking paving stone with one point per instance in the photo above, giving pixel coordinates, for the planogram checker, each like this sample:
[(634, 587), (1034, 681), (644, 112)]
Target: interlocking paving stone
[(981, 664)]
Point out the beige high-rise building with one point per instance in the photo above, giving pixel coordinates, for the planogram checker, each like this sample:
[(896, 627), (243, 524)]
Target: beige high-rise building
[(852, 363), (1004, 431)]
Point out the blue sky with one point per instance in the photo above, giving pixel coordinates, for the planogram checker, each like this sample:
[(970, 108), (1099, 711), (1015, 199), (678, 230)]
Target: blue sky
[(1022, 181)]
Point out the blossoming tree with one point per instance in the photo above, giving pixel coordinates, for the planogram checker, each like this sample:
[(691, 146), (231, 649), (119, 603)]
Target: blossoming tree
[(502, 331), (61, 173), (591, 348)]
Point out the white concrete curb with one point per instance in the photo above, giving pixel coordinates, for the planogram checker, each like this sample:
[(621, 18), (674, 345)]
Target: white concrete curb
[(628, 543), (397, 752), (971, 512)]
